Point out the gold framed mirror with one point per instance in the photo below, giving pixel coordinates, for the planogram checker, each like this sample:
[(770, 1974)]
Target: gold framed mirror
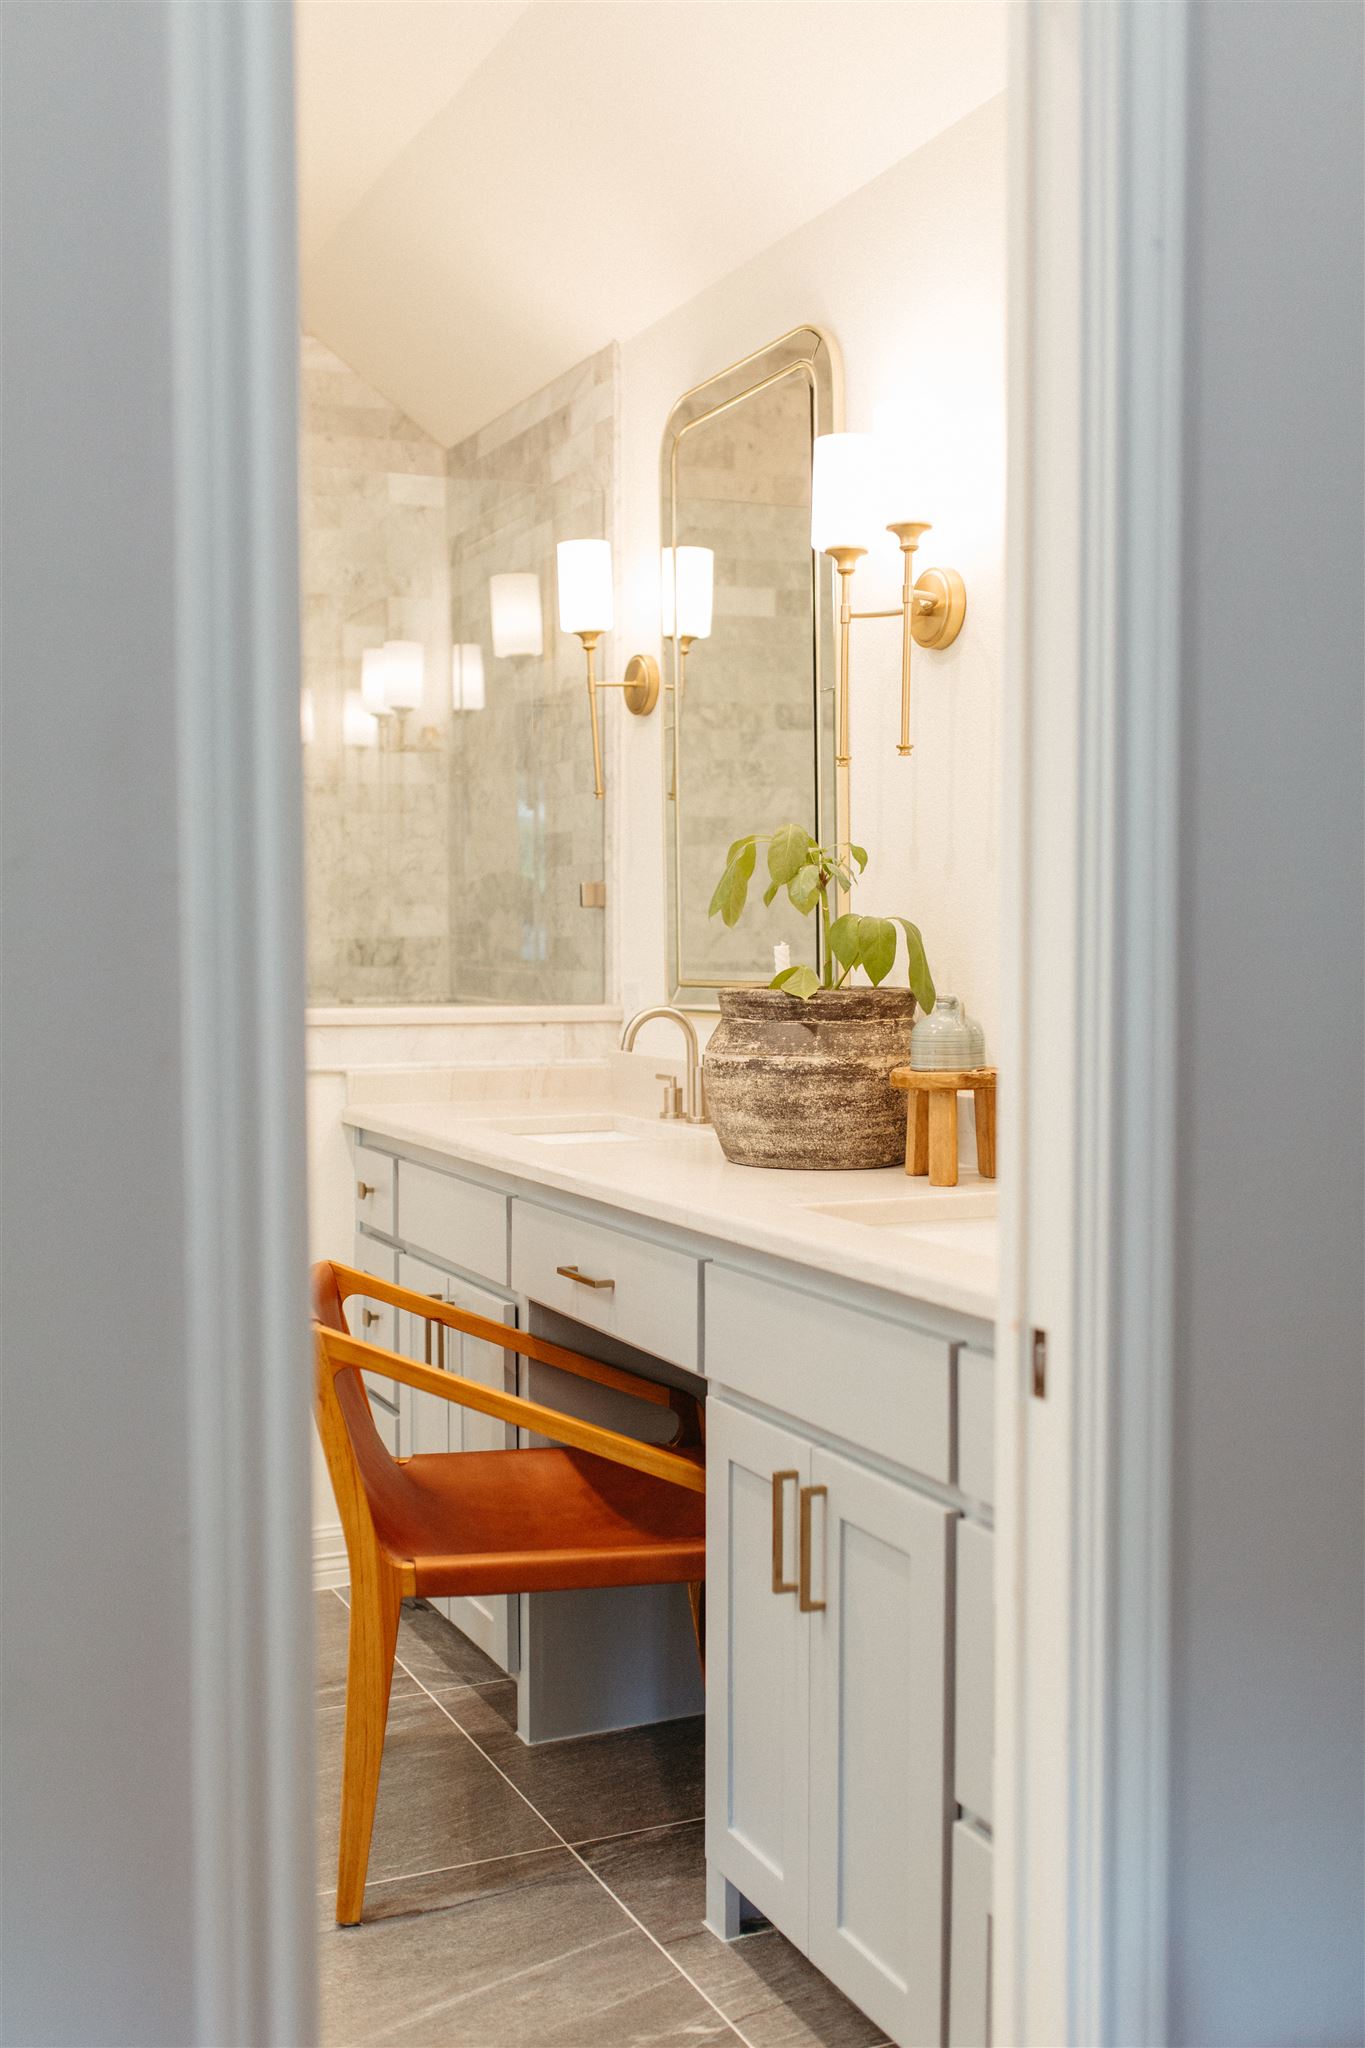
[(749, 704)]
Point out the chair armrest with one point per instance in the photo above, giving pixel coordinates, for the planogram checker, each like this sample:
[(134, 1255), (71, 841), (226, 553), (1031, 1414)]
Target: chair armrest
[(351, 1281), (337, 1351)]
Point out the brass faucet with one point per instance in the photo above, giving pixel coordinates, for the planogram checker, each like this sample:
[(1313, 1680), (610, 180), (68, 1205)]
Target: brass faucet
[(696, 1091)]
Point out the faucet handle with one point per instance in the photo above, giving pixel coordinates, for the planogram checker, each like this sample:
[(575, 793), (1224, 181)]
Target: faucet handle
[(672, 1111)]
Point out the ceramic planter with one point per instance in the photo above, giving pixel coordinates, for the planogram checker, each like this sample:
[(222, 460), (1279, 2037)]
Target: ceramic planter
[(807, 1084)]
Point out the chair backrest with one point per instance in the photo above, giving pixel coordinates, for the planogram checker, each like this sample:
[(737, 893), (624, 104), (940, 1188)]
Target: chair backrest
[(366, 1480)]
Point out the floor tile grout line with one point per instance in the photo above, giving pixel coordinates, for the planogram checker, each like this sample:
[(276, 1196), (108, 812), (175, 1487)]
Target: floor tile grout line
[(583, 1864), (442, 1869)]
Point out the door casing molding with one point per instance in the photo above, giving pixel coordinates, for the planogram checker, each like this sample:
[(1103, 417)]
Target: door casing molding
[(235, 325), (1097, 101)]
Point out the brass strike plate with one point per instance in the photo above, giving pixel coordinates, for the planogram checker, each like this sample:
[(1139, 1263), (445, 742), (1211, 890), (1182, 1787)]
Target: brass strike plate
[(592, 895)]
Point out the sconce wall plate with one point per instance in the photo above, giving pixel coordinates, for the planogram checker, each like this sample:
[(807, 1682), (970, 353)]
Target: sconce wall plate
[(640, 690), (938, 623)]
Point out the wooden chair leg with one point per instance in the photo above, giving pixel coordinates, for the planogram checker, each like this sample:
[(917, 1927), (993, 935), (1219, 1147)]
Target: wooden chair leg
[(369, 1675), (943, 1138), (696, 1600)]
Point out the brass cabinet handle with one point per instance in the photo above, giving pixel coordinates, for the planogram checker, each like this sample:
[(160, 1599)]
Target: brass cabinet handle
[(803, 1598), (364, 1190), (781, 1585), (584, 1279), (371, 1316), (436, 1295)]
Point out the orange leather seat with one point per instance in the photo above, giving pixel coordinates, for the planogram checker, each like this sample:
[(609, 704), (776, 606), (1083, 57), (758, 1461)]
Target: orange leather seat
[(595, 1508)]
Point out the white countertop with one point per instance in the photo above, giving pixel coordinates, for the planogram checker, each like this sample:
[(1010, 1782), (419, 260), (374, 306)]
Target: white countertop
[(590, 1129)]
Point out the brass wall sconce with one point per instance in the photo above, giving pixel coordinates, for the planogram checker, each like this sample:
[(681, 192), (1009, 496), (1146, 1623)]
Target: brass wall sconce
[(847, 484), (587, 609)]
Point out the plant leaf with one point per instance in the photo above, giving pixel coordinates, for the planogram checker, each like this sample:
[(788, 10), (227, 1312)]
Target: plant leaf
[(788, 852), (803, 889), (733, 887), (843, 939), (876, 947), (859, 853), (749, 839), (771, 891), (921, 980), (841, 875), (797, 981)]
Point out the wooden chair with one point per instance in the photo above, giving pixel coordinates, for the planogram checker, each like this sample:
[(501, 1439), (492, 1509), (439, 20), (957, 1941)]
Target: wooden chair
[(595, 1508)]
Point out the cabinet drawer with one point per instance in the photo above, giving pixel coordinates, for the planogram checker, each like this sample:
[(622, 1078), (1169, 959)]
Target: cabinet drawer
[(876, 1383), (374, 1189), (976, 1425), (969, 1966), (454, 1220), (651, 1295), (375, 1322), (974, 1744)]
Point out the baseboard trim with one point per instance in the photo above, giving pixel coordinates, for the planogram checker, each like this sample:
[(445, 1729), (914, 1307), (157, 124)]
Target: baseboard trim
[(330, 1565)]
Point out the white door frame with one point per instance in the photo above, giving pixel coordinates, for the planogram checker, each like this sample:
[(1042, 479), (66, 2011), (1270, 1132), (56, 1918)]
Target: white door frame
[(1097, 96), (234, 269)]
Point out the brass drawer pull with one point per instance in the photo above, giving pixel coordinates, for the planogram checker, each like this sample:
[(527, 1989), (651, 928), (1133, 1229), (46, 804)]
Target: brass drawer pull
[(781, 1585), (804, 1601), (364, 1190), (440, 1336), (371, 1316), (584, 1279)]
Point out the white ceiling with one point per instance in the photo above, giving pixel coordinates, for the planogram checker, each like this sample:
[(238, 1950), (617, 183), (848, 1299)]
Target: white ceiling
[(490, 192)]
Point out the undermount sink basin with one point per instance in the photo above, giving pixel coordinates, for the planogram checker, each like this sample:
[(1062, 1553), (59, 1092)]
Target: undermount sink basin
[(602, 1128), (913, 1211)]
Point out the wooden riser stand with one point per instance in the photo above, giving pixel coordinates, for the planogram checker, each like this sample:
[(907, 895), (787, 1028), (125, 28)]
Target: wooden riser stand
[(931, 1121)]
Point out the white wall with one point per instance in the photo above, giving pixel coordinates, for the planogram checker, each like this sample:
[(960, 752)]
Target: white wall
[(1267, 1835), (908, 275)]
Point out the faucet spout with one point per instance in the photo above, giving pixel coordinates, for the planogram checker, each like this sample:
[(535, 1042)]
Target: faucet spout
[(696, 1093)]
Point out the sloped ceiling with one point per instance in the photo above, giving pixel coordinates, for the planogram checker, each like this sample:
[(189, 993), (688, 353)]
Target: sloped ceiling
[(490, 192)]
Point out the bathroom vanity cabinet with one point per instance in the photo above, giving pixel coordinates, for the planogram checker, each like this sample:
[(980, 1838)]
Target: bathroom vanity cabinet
[(849, 1566)]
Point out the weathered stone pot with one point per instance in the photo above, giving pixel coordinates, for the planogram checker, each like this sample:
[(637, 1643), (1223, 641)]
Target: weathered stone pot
[(806, 1084)]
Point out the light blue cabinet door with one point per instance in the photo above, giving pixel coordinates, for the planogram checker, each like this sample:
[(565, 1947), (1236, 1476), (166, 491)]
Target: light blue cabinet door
[(879, 1798), (490, 1619)]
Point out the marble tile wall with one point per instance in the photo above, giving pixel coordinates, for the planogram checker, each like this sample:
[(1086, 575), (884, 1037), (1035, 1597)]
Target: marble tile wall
[(444, 857), (525, 828), (374, 566)]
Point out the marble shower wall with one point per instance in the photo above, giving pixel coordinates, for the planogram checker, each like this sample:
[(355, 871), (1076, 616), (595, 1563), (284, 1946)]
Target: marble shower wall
[(525, 828), (374, 568), (444, 854)]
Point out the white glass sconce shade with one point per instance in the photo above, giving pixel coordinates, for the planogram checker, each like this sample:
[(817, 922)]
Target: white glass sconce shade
[(466, 675), (585, 586), (514, 604), (846, 493), (359, 726), (687, 584), (374, 680), (403, 674)]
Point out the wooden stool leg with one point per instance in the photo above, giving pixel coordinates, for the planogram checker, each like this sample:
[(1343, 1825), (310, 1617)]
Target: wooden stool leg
[(696, 1600), (943, 1138), (985, 1130), (369, 1675), (917, 1133)]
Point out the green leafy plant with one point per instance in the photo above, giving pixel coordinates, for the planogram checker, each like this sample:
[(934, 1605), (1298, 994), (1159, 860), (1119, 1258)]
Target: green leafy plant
[(808, 872)]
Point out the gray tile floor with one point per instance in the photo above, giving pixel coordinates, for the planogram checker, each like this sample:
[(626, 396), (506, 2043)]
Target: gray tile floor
[(520, 1896)]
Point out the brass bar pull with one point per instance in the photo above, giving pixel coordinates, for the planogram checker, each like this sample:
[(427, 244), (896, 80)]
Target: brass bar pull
[(781, 1584), (584, 1279), (436, 1295), (804, 1600)]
